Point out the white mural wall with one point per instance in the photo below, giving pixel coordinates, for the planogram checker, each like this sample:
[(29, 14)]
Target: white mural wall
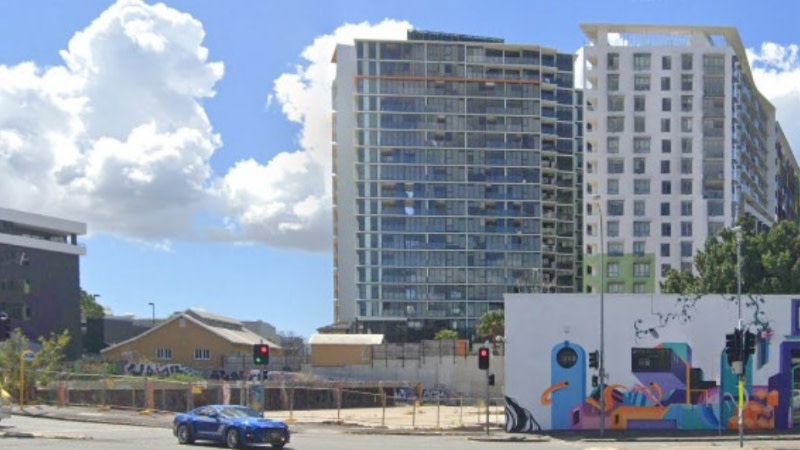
[(664, 356)]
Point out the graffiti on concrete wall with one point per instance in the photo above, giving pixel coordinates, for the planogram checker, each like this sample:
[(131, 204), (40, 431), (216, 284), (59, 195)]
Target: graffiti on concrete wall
[(430, 394), (149, 369)]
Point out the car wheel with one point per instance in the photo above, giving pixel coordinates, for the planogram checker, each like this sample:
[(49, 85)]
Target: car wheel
[(278, 445), (185, 435), (232, 438)]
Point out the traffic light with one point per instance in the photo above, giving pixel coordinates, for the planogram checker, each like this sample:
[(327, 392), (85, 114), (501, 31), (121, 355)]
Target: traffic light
[(483, 358), (733, 346), (749, 345), (261, 354), (5, 327), (594, 359), (491, 380)]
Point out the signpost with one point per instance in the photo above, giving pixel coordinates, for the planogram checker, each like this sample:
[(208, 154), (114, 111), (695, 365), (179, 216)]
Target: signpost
[(24, 356)]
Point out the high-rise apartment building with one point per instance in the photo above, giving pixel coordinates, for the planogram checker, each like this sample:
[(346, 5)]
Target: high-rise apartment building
[(679, 144), (456, 178)]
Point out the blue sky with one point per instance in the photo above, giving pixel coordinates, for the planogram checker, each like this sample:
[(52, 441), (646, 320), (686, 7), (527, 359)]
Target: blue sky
[(192, 136)]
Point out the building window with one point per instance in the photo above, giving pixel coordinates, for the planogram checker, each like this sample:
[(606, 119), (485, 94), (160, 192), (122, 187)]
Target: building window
[(686, 249), (666, 62), (616, 288), (616, 166), (639, 166), (666, 146), (686, 145), (616, 207), (641, 61), (686, 166), (641, 269), (686, 61), (639, 288), (612, 80), (641, 228), (641, 145), (612, 144), (641, 186), (639, 103), (164, 354), (686, 229), (665, 268), (612, 227), (665, 83), (666, 187), (686, 124), (616, 103), (665, 125), (639, 208), (665, 208), (666, 104), (641, 82), (616, 124), (686, 186), (613, 187), (615, 249), (638, 248), (665, 168), (202, 354), (612, 61), (666, 229), (687, 101), (686, 208), (686, 82), (665, 249), (613, 270), (638, 124)]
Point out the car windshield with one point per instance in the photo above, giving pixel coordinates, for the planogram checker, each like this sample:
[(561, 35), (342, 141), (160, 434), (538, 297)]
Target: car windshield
[(240, 411)]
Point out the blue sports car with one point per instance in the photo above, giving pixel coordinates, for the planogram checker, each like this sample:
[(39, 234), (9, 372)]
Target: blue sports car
[(236, 426)]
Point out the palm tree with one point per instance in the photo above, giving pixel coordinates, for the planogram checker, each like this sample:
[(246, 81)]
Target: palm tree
[(492, 324)]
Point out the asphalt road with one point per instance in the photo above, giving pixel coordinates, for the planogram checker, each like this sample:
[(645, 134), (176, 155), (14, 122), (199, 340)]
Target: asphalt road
[(64, 435)]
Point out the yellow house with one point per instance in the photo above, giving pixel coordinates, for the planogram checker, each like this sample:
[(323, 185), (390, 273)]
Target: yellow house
[(194, 339), (331, 350)]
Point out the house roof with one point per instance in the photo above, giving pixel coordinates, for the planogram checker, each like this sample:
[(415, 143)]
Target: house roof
[(345, 339), (224, 327)]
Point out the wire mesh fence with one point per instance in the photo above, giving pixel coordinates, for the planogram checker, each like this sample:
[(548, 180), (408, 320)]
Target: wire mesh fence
[(388, 404)]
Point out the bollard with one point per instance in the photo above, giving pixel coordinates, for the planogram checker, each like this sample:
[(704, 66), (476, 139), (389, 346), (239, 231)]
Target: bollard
[(383, 406), (460, 411), (414, 416), (338, 402), (291, 402), (438, 407)]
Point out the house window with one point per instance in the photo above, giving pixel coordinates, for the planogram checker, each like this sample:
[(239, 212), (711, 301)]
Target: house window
[(664, 83), (665, 249), (639, 288), (686, 208), (666, 229), (665, 125), (641, 82), (686, 166), (365, 352), (666, 104), (686, 124), (639, 165), (686, 229), (666, 62), (164, 354), (613, 270), (686, 61), (616, 288), (202, 354), (686, 249), (639, 208), (686, 186), (641, 186), (639, 104), (616, 124), (612, 228), (615, 249), (616, 165), (665, 208), (666, 187), (616, 102), (613, 187), (686, 103), (665, 166), (638, 124), (666, 146), (641, 61), (686, 82), (641, 228), (641, 145), (616, 207), (638, 248), (686, 145), (612, 80)]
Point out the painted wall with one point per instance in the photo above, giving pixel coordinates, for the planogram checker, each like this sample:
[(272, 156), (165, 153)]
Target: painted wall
[(664, 358), (332, 355)]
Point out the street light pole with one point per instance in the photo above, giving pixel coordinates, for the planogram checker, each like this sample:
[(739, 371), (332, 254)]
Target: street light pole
[(153, 308), (602, 368)]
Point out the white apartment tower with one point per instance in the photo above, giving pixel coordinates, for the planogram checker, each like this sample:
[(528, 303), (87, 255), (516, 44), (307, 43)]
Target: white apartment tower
[(679, 144)]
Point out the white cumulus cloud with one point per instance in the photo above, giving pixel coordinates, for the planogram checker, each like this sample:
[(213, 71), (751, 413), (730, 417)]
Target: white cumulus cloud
[(287, 201), (776, 70), (117, 136)]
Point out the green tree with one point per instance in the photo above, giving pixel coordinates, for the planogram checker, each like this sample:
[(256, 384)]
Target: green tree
[(770, 263), (90, 309), (446, 334), (492, 324), (44, 367)]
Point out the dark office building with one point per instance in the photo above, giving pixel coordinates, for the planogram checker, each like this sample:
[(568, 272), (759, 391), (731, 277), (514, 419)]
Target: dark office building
[(40, 275)]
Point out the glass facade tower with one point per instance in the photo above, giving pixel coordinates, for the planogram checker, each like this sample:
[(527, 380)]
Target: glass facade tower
[(456, 179)]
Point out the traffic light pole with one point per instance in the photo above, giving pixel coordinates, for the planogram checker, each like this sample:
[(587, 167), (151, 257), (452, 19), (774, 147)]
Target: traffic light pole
[(487, 402), (741, 331)]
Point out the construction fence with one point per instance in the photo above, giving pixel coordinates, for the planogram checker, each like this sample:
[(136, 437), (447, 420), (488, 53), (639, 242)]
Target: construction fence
[(404, 404)]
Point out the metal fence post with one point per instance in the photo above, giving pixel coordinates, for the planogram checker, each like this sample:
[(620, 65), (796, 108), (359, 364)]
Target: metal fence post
[(291, 401), (383, 404)]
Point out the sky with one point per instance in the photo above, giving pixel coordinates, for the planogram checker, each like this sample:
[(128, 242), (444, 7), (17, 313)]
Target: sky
[(193, 136)]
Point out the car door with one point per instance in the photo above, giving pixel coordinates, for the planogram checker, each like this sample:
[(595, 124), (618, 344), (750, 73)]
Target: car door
[(205, 426)]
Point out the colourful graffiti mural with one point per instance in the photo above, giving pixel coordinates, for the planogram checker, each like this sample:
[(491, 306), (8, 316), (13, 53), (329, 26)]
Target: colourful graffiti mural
[(670, 389)]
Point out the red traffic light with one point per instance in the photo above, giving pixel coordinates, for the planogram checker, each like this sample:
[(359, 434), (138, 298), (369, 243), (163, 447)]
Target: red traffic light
[(483, 358), (263, 349), (484, 352)]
